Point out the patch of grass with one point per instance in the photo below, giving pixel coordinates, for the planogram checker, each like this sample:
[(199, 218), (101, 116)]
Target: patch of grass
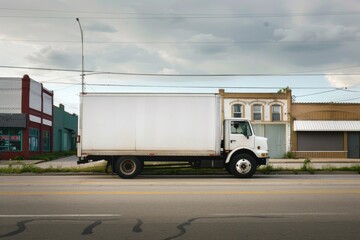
[(307, 166), (355, 168), (32, 168), (18, 158), (289, 155), (52, 155), (266, 170)]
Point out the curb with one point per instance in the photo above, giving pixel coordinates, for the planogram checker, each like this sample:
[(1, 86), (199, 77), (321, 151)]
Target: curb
[(285, 172)]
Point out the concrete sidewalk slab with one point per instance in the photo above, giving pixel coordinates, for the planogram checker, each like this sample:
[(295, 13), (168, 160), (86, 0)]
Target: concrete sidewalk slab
[(68, 162), (317, 163), (317, 160), (17, 163)]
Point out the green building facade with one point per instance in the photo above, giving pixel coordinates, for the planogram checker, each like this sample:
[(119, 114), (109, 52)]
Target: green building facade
[(65, 130)]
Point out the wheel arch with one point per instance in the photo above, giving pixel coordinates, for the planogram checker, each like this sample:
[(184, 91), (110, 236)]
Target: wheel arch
[(239, 151)]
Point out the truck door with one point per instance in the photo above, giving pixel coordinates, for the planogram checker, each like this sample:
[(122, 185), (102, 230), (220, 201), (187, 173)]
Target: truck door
[(241, 135)]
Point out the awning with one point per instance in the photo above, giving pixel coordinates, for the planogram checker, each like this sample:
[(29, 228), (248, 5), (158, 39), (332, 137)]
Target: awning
[(334, 126), (13, 120)]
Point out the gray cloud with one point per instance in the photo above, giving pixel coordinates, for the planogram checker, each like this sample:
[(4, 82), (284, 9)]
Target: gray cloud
[(55, 58), (99, 27), (318, 33), (343, 81)]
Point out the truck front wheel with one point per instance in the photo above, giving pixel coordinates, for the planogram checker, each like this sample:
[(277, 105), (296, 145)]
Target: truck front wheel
[(128, 167), (243, 166)]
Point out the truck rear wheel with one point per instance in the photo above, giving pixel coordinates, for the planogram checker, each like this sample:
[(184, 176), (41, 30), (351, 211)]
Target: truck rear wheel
[(243, 166), (128, 167)]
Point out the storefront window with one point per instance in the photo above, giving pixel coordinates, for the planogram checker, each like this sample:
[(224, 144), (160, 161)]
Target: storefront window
[(276, 113), (237, 110), (34, 140), (46, 141), (257, 112), (10, 139)]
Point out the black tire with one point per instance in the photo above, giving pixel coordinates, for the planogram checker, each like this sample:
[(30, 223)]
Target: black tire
[(128, 167), (243, 166)]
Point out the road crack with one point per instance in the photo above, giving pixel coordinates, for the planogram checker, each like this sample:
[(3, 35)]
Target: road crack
[(89, 229), (21, 228), (137, 227), (182, 226)]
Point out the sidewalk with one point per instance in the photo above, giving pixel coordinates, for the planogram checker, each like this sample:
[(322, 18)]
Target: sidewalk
[(317, 163), (67, 162), (71, 162)]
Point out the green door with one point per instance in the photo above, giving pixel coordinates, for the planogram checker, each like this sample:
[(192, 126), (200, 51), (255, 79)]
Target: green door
[(276, 134)]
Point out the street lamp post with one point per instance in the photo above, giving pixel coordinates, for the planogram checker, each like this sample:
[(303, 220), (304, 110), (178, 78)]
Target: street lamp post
[(81, 94), (82, 58)]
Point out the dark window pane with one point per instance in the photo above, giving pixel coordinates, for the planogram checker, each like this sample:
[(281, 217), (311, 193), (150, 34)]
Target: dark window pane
[(276, 116), (257, 116), (276, 112), (257, 112), (237, 110)]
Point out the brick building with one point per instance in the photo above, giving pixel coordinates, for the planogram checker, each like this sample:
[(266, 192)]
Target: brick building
[(26, 118), (326, 130)]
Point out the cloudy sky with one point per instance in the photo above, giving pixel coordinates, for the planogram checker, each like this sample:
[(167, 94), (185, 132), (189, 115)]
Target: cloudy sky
[(259, 45)]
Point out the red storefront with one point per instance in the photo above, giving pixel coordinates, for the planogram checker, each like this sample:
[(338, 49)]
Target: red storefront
[(26, 118)]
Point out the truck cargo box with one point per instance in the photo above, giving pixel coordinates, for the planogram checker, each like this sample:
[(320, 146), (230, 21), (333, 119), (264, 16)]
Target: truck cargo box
[(150, 124)]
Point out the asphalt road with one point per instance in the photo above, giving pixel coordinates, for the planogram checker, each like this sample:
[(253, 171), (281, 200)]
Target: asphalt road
[(106, 207)]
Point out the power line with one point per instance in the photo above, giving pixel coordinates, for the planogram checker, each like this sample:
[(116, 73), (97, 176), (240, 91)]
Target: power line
[(180, 15), (182, 42), (226, 75), (59, 78), (188, 86), (333, 69), (318, 93), (183, 17), (183, 13), (149, 18), (90, 72)]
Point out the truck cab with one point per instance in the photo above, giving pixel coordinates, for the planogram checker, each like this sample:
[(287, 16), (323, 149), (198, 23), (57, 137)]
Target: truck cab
[(244, 150)]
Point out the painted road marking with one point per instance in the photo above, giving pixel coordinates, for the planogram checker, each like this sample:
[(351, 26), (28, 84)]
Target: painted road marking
[(274, 214), (58, 215), (184, 182), (285, 192)]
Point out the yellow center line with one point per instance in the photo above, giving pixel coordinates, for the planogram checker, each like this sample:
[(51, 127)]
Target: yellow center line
[(71, 193), (188, 183)]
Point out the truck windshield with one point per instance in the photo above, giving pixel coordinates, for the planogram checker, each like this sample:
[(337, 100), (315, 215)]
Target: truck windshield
[(241, 127)]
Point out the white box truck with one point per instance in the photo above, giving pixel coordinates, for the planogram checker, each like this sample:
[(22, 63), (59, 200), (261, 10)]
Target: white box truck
[(128, 129)]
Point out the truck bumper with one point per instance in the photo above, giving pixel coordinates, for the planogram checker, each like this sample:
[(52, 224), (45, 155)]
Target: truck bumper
[(263, 161)]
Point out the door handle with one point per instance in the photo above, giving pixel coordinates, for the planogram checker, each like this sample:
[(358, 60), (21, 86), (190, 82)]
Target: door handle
[(231, 141)]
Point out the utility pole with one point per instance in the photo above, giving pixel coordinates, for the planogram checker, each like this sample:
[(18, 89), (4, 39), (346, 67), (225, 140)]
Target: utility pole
[(82, 58), (82, 92)]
